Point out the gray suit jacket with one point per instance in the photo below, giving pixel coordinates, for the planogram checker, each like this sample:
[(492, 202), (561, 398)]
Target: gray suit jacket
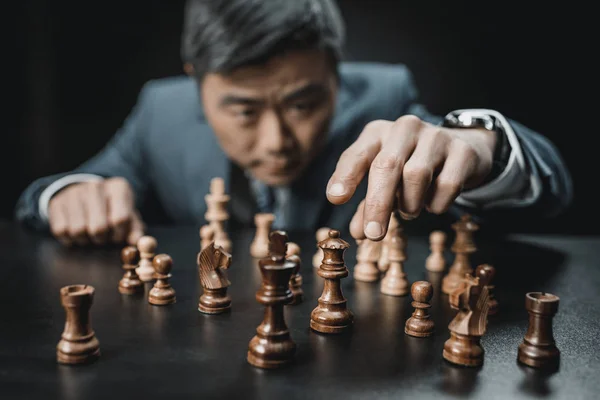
[(167, 149)]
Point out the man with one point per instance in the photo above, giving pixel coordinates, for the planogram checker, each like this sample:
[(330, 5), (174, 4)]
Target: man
[(268, 106)]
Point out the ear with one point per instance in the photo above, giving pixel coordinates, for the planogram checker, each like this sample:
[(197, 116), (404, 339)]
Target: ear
[(188, 68)]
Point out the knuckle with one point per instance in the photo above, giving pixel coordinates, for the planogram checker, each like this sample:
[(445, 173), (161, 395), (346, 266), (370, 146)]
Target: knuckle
[(98, 230), (76, 230), (416, 174), (376, 207), (387, 162), (119, 220), (376, 125), (450, 186), (464, 149), (409, 121), (118, 183)]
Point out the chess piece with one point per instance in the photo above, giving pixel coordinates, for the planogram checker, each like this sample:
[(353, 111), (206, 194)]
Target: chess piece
[(487, 269), (207, 235), (259, 248), (394, 283), (462, 247), (471, 299), (332, 314), (420, 323), (273, 347), (293, 255), (162, 293), (384, 263), (130, 283), (222, 241), (436, 262), (538, 348), (216, 211), (320, 235), (147, 247), (367, 256), (78, 343), (213, 262)]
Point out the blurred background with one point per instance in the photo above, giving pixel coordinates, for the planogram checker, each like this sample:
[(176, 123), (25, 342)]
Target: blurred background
[(76, 69)]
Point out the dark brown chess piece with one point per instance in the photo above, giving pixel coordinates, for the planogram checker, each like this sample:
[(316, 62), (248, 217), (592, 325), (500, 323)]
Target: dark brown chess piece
[(293, 255), (216, 211), (471, 299), (420, 323), (273, 347), (332, 314), (131, 282), (394, 283), (538, 348), (367, 256), (78, 344), (213, 262), (489, 270), (162, 293), (462, 247)]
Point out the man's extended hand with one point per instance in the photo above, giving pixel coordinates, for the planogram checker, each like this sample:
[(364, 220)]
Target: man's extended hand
[(97, 212), (412, 163)]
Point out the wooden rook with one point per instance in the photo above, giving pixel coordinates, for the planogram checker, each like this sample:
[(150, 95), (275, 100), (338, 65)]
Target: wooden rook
[(293, 255), (420, 323), (78, 344), (216, 211), (332, 314), (259, 248), (147, 247), (394, 283), (462, 247), (384, 262), (538, 348), (436, 262), (273, 347), (367, 256), (162, 293), (207, 236), (213, 262), (321, 234), (471, 299), (486, 269), (131, 282)]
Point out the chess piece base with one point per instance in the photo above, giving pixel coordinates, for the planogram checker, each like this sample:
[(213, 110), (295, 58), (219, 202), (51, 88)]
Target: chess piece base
[(131, 287), (326, 321), (463, 350), (365, 272), (298, 297), (271, 352), (161, 296), (419, 327), (68, 352), (538, 356), (214, 301), (264, 363), (394, 287)]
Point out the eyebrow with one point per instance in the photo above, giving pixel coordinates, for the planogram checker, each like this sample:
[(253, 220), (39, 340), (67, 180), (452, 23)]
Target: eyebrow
[(312, 89)]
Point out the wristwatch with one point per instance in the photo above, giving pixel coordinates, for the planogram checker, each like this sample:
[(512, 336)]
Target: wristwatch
[(478, 120)]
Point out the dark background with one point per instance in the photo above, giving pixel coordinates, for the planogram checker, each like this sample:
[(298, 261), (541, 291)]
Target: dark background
[(76, 68)]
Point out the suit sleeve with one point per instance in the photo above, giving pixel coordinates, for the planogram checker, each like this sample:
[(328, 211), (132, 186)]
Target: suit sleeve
[(547, 190), (123, 156)]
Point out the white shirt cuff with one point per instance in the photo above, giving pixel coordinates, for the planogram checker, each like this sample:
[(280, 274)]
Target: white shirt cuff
[(57, 186), (516, 186)]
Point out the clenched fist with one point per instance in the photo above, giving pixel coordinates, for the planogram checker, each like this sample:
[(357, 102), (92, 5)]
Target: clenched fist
[(411, 165), (98, 212)]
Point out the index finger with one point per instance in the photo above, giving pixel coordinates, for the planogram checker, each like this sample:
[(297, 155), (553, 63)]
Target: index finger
[(355, 162)]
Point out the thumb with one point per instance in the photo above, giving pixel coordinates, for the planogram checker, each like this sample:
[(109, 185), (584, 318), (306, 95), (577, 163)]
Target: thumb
[(137, 229)]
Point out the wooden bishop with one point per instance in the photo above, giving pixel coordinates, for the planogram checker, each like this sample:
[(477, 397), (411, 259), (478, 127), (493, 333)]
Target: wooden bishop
[(273, 347), (462, 247), (213, 263), (332, 314)]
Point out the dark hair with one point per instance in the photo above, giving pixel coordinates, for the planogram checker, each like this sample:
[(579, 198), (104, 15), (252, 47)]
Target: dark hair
[(222, 35)]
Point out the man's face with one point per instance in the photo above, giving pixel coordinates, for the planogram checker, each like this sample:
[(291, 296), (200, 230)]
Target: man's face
[(272, 119)]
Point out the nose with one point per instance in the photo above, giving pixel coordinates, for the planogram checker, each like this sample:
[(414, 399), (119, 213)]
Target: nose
[(274, 135)]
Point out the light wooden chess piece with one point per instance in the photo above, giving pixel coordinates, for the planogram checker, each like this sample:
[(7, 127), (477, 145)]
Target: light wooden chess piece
[(162, 293), (259, 248), (213, 263), (207, 236), (420, 323), (147, 247), (273, 347), (131, 282), (471, 299), (436, 262), (367, 255), (293, 255), (384, 263), (395, 283), (216, 211), (320, 235), (463, 246)]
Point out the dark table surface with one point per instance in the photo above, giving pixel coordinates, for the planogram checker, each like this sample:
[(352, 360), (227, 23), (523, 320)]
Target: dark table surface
[(176, 352)]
